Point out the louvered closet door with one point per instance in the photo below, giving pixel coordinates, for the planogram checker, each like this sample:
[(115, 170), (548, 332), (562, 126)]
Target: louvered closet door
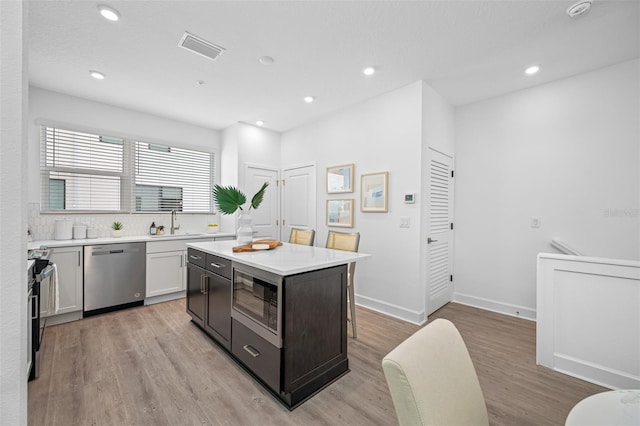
[(440, 234)]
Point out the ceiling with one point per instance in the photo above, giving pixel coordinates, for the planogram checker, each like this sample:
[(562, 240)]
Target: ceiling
[(465, 50)]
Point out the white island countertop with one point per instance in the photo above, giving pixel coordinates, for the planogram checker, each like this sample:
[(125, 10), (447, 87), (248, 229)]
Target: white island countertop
[(287, 259)]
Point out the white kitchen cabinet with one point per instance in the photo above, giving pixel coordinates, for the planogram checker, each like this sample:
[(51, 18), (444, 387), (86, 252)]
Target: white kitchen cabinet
[(69, 262), (167, 269), (165, 272)]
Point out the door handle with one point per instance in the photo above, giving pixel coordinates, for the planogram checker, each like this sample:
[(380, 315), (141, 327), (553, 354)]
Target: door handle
[(201, 283), (429, 240), (205, 281)]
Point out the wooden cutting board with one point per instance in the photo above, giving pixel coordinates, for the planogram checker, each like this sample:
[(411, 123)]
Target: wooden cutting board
[(248, 247)]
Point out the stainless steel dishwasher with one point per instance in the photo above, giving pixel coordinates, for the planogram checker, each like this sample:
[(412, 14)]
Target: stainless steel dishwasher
[(114, 276)]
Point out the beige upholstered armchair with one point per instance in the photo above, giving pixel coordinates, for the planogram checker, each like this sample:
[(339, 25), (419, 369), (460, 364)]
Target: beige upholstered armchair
[(432, 379)]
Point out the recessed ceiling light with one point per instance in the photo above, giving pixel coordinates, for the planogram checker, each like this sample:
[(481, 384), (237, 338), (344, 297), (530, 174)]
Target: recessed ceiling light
[(532, 70), (108, 13), (369, 71), (97, 75), (266, 60), (309, 99), (260, 123), (579, 8)]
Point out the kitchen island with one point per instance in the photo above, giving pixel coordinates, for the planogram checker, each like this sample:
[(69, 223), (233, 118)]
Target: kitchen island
[(280, 313)]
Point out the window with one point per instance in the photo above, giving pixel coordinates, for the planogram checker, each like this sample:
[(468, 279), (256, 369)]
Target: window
[(158, 198), (88, 172)]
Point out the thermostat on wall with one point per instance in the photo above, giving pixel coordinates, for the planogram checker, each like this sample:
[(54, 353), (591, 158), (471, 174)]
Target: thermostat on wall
[(409, 198)]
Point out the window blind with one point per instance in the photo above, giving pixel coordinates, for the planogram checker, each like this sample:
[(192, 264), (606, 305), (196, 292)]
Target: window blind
[(169, 178), (89, 172), (80, 171)]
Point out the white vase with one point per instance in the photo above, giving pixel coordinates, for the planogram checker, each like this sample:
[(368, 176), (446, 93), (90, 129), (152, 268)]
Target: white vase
[(245, 231), (117, 233)]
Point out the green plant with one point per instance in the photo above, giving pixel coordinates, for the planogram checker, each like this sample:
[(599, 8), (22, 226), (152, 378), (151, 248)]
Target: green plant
[(228, 199), (117, 226)]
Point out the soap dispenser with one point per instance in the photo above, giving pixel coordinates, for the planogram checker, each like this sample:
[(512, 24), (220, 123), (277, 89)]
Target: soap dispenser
[(152, 230)]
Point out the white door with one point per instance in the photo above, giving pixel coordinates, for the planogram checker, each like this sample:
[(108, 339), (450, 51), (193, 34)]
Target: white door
[(298, 199), (264, 219), (440, 230)]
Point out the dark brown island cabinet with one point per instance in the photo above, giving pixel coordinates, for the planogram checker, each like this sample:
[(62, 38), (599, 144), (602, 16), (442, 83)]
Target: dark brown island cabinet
[(289, 332), (209, 295)]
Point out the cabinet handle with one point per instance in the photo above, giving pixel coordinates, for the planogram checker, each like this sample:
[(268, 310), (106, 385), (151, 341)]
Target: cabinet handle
[(79, 259), (252, 351), (195, 257), (201, 283), (205, 280), (217, 265)]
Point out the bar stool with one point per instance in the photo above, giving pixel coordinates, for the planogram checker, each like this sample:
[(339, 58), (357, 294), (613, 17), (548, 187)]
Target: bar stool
[(347, 242), (302, 236)]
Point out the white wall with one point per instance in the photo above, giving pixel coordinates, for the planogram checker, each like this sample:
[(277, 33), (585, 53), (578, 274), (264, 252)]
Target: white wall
[(257, 146), (566, 152), (437, 122), (245, 144), (438, 135), (382, 134), (13, 248), (82, 114)]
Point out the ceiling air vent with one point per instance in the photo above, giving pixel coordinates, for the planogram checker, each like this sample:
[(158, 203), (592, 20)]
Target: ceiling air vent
[(200, 46)]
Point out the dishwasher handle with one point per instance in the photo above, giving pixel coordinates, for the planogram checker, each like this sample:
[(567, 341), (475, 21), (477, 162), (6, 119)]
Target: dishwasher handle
[(115, 251)]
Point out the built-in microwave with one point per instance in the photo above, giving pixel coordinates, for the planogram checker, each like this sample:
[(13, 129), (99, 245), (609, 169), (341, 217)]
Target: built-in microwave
[(257, 302)]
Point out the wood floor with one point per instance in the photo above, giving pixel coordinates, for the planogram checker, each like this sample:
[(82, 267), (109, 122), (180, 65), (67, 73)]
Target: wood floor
[(151, 366)]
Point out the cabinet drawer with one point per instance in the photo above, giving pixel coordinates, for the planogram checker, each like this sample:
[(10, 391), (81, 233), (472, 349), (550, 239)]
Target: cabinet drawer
[(256, 354), (196, 257), (219, 265)]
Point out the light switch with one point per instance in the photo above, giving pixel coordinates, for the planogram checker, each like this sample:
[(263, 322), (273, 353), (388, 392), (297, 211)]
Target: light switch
[(404, 221), (535, 222)]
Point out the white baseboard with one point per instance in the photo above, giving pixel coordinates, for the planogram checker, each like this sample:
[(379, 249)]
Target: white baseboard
[(62, 318), (595, 373), (395, 311), (418, 318), (165, 297), (494, 306)]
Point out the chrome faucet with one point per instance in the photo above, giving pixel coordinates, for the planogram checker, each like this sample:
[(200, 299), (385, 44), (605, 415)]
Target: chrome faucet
[(174, 216)]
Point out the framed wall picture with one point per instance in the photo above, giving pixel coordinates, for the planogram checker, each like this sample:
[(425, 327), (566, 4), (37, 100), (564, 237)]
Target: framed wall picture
[(340, 179), (374, 192), (340, 213)]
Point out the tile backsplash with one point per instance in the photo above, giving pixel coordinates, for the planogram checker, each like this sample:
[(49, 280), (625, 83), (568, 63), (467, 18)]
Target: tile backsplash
[(42, 225)]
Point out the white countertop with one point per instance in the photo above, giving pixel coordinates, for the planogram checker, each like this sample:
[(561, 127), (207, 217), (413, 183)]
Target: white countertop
[(287, 259), (130, 239)]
